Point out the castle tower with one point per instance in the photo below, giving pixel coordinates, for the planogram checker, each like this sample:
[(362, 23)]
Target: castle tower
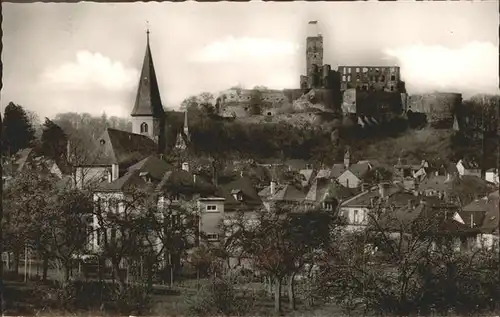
[(314, 49), (347, 159), (148, 116)]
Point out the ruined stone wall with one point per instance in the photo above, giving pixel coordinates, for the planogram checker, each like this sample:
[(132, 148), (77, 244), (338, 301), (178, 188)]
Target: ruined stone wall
[(371, 103), (439, 107)]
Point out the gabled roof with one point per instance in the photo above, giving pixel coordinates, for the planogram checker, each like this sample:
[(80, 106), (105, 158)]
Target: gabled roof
[(243, 185), (396, 195), (431, 220), (152, 164), (130, 181), (285, 193), (181, 181), (123, 148), (337, 170), (360, 169), (308, 174), (484, 211), (148, 100)]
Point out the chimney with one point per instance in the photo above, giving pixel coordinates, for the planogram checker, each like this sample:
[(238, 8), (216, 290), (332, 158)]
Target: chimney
[(273, 187), (194, 178), (110, 176), (448, 177), (472, 220), (185, 166)]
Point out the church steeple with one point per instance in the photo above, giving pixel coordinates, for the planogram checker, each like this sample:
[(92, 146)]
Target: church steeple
[(148, 100), (148, 116)]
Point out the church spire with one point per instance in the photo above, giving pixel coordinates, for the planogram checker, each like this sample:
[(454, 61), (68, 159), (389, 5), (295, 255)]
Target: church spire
[(148, 100)]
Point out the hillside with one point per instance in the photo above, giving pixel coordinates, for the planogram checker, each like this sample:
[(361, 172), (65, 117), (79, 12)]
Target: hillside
[(412, 145)]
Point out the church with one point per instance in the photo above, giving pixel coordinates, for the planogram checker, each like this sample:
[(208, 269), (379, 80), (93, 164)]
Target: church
[(117, 150)]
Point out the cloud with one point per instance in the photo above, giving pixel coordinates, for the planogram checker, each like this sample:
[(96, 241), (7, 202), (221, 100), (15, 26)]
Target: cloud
[(472, 67), (90, 71), (239, 49)]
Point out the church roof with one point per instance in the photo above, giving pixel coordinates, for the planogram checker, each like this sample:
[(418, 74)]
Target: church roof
[(148, 101), (123, 148)]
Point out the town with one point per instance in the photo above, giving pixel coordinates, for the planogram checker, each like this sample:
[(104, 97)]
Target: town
[(258, 201)]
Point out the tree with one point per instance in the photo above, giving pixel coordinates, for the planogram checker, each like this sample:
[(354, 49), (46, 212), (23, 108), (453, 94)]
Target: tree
[(25, 211), (54, 140), (391, 267), (281, 242), (18, 131), (124, 230), (66, 224)]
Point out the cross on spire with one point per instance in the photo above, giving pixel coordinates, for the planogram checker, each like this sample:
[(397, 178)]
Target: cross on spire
[(147, 30)]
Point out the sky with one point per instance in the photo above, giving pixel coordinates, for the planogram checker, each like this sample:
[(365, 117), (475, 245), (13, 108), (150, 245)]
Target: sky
[(86, 57)]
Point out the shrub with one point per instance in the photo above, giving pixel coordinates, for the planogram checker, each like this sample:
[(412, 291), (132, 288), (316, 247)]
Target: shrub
[(220, 297)]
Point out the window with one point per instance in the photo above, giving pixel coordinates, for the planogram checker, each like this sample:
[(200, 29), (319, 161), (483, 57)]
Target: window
[(102, 141), (349, 78), (357, 69), (355, 218), (365, 70), (345, 70), (357, 77), (393, 77), (392, 88), (211, 208), (175, 197), (328, 206), (349, 70), (212, 236), (144, 127), (343, 77), (382, 78)]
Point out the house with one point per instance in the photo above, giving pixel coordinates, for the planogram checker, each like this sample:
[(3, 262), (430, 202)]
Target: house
[(358, 209), (492, 176), (115, 153), (429, 217), (281, 194), (309, 175), (327, 194), (353, 176), (483, 214), (404, 169), (468, 167)]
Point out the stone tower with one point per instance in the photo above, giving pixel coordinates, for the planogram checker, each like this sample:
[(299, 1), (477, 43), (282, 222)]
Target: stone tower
[(314, 49), (148, 116)]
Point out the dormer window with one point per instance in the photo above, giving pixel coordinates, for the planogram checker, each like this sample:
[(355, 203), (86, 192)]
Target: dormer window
[(237, 194)]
